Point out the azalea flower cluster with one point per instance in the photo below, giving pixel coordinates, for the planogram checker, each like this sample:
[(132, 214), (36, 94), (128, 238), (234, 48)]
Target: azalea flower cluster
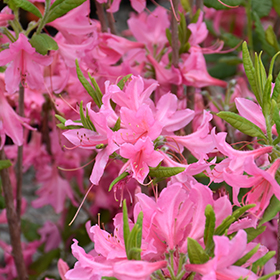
[(185, 200)]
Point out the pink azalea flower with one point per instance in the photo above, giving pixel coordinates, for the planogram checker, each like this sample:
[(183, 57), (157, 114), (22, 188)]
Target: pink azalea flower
[(252, 112), (199, 31), (227, 252), (24, 66), (11, 124), (194, 70), (50, 235), (5, 16), (150, 29), (138, 125), (140, 156), (199, 143), (262, 182)]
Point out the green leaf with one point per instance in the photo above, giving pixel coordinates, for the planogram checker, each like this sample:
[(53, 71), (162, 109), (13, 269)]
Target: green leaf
[(98, 93), (85, 119), (57, 2), (5, 163), (61, 8), (246, 257), (168, 36), (272, 63), (164, 171), (126, 230), (123, 81), (271, 38), (43, 262), (262, 8), (186, 5), (262, 261), (277, 272), (252, 233), (218, 6), (276, 6), (276, 120), (109, 278), (271, 211), (266, 97), (139, 222), (43, 43), (210, 224), (196, 253), (93, 93), (261, 35), (27, 6), (250, 71), (222, 228), (117, 125), (30, 230), (60, 118), (276, 90), (241, 124), (119, 178)]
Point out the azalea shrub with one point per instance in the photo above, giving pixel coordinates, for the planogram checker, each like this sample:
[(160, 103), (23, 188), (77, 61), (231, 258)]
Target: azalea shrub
[(154, 150)]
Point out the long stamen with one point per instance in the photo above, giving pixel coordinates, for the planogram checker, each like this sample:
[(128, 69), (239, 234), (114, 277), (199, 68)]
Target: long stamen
[(77, 212), (75, 169), (228, 6)]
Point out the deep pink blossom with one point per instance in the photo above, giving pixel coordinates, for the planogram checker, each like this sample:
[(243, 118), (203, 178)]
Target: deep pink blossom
[(24, 65)]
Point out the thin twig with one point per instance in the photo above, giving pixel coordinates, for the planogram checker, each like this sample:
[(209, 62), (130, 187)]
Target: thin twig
[(111, 22), (13, 222), (278, 246), (101, 16), (20, 154)]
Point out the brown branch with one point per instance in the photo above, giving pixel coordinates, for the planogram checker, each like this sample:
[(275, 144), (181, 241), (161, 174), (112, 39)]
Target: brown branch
[(20, 154), (101, 16), (278, 246), (13, 222), (111, 22), (174, 38)]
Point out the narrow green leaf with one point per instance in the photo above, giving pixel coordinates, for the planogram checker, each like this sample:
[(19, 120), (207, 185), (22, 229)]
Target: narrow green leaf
[(56, 3), (5, 163), (134, 254), (266, 97), (196, 253), (126, 230), (196, 16), (60, 9), (117, 125), (210, 225), (261, 35), (86, 120), (218, 6), (271, 211), (98, 93), (277, 272), (109, 278), (131, 244), (246, 257), (27, 6), (250, 71), (119, 178), (276, 120), (168, 36), (263, 76), (272, 63), (252, 233), (241, 124), (43, 43), (139, 235), (257, 265), (164, 171), (186, 5), (276, 90), (123, 81), (271, 38), (93, 93), (60, 118), (222, 228)]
